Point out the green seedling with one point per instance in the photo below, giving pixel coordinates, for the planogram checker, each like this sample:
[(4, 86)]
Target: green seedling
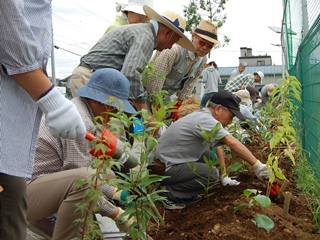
[(260, 220)]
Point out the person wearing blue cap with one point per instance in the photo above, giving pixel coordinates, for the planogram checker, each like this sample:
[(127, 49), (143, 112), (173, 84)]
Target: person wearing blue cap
[(59, 163), (182, 147)]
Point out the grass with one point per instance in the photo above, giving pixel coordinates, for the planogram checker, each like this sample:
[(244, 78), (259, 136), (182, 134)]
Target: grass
[(309, 185)]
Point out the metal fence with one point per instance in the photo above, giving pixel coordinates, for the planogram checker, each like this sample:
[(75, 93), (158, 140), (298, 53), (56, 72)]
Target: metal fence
[(301, 45)]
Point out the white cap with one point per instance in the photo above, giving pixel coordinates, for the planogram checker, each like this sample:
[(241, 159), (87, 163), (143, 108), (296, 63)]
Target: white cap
[(136, 6)]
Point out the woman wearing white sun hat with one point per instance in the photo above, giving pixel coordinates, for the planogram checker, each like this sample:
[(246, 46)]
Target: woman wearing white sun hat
[(130, 13)]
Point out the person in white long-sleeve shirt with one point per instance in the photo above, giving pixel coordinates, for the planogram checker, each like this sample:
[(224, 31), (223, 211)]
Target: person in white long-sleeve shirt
[(210, 78)]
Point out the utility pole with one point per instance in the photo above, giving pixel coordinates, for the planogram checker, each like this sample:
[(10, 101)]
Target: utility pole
[(53, 69)]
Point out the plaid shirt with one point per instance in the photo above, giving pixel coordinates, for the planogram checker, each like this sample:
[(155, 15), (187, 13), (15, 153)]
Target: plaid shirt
[(242, 80), (127, 48), (57, 154), (165, 60)]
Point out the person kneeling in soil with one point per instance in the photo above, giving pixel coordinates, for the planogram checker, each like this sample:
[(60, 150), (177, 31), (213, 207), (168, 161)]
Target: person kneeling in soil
[(60, 163), (182, 146)]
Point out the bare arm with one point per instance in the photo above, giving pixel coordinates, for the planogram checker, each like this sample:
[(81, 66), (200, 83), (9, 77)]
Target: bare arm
[(240, 150), (222, 159), (34, 83)]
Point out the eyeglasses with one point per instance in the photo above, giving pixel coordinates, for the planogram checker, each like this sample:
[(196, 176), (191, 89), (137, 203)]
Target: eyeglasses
[(202, 43)]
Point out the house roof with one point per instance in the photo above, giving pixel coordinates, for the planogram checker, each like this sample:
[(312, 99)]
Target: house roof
[(267, 70)]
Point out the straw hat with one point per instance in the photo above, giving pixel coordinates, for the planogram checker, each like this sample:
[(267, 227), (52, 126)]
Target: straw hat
[(208, 31), (175, 22), (136, 6), (245, 97)]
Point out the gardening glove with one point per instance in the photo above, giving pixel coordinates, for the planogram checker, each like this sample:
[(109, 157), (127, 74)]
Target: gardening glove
[(62, 116), (225, 180), (261, 171), (123, 222), (175, 115)]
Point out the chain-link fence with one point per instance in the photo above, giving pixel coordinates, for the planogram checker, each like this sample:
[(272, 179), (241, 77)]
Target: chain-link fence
[(301, 42)]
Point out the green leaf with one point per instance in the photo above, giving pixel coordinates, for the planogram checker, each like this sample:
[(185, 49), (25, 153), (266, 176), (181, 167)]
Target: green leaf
[(263, 221), (239, 207), (262, 200)]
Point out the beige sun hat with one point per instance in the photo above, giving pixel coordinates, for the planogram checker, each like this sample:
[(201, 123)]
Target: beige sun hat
[(136, 6), (175, 22), (245, 97), (208, 31)]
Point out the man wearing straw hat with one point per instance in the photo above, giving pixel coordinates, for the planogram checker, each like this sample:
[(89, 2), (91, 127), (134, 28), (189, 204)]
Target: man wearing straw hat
[(182, 67), (128, 49)]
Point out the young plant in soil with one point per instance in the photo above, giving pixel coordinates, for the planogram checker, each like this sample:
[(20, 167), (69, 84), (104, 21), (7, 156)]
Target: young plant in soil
[(260, 220), (140, 202), (281, 136)]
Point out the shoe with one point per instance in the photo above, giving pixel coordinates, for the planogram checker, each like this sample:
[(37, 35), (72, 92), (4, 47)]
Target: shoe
[(43, 227), (168, 204), (193, 199)]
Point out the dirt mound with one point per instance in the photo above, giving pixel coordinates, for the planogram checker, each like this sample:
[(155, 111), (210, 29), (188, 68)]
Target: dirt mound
[(213, 217)]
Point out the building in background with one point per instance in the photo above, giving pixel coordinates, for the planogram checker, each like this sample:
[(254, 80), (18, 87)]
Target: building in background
[(272, 73)]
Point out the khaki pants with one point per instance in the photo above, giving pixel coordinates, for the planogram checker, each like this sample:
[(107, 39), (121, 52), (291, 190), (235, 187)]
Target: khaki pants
[(56, 193), (80, 76)]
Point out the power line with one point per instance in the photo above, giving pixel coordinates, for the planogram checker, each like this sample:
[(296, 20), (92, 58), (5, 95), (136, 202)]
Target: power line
[(56, 47)]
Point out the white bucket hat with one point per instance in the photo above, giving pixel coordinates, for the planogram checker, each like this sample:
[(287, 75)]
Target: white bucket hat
[(136, 6), (261, 75), (175, 22)]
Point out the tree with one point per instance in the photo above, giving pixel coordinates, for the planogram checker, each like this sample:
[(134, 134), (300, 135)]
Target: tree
[(211, 10)]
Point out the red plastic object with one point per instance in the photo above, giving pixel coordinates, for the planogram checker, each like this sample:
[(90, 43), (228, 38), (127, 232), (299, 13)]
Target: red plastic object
[(274, 189)]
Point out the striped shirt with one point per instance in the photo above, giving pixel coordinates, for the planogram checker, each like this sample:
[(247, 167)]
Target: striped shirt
[(127, 48), (242, 80), (28, 22)]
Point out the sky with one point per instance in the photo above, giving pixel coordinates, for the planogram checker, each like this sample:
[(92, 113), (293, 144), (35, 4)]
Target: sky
[(79, 24)]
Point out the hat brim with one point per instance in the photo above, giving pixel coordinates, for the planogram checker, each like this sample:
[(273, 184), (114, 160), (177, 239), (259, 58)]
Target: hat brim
[(135, 9), (212, 40), (238, 114), (247, 102), (183, 41), (94, 94)]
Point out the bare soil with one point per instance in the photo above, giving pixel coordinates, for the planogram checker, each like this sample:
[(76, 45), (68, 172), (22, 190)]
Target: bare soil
[(213, 217)]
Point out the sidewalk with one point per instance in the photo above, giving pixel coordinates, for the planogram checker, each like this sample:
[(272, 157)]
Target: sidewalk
[(107, 226)]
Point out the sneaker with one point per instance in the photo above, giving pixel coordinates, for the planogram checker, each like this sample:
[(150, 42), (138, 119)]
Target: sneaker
[(168, 204), (193, 199), (43, 227)]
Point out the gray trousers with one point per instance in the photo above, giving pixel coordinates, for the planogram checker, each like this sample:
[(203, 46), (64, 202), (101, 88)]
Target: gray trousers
[(184, 179), (13, 208)]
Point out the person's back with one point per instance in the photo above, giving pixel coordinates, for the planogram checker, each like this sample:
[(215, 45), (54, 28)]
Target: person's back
[(211, 79), (239, 70)]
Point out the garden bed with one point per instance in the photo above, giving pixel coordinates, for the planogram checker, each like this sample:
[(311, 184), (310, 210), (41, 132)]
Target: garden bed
[(213, 217)]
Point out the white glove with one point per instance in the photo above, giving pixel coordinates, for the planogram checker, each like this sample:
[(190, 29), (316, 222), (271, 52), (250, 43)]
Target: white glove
[(261, 171), (123, 222), (62, 116), (225, 180)]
